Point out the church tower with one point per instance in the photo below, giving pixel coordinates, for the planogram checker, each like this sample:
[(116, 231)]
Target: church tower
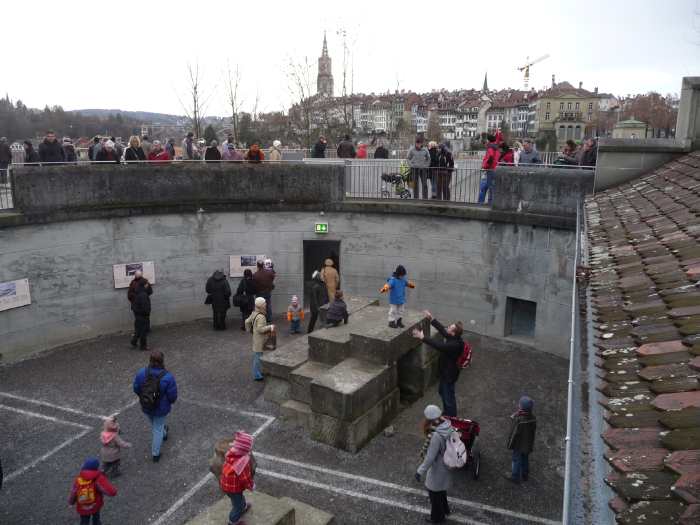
[(324, 82)]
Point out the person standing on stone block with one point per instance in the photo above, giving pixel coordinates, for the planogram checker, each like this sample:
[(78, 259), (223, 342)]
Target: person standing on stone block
[(319, 297), (219, 297), (257, 324), (396, 286), (521, 440), (237, 476), (139, 295), (450, 346), (439, 477), (295, 315), (337, 311), (331, 277), (157, 391)]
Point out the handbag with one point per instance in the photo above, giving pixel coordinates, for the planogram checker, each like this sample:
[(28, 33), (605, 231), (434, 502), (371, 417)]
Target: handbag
[(239, 300), (270, 342)]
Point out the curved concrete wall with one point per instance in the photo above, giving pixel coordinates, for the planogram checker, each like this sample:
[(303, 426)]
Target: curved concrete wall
[(464, 269)]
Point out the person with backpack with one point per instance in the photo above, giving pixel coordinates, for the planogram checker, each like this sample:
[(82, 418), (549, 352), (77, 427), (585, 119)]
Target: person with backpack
[(237, 475), (521, 440), (439, 476), (451, 349), (139, 295), (88, 491), (157, 391), (257, 324)]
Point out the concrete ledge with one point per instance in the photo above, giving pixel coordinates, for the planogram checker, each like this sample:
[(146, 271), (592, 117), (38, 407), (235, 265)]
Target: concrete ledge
[(641, 146), (266, 510), (308, 515), (282, 361)]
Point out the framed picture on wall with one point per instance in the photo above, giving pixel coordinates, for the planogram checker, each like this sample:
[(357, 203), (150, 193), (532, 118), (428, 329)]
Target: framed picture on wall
[(239, 263), (14, 294), (124, 273)]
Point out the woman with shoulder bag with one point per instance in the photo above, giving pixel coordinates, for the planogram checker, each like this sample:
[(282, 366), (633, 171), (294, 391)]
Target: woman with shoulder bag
[(245, 296), (263, 335), (134, 152)]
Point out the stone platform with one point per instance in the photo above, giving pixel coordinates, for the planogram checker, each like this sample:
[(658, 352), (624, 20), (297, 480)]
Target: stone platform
[(344, 384)]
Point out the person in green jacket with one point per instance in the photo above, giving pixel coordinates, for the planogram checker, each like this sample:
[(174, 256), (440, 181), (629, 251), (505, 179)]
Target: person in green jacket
[(521, 440)]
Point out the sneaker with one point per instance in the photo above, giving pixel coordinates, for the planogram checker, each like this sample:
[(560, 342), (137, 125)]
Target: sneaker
[(156, 459), (392, 324), (399, 323)]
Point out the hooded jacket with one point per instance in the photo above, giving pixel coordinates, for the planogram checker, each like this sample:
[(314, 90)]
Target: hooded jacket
[(51, 151), (69, 153), (319, 295), (493, 153), (30, 155), (450, 349), (111, 442), (337, 311), (219, 290), (346, 150), (439, 477), (102, 486), (247, 288), (212, 153), (331, 277), (522, 432), (168, 390)]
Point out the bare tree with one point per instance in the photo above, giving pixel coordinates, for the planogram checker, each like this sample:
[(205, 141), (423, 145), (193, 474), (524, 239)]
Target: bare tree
[(299, 76), (233, 81), (195, 108)]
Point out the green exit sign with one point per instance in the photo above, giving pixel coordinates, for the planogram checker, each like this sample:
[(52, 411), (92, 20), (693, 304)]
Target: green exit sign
[(321, 227)]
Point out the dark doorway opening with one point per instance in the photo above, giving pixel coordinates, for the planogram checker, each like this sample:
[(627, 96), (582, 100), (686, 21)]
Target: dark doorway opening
[(315, 252), (520, 317)]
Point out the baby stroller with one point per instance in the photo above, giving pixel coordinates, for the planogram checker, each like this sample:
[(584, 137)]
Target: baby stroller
[(469, 434), (399, 181)]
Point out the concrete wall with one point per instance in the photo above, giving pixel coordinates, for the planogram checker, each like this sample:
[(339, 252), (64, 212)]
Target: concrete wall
[(464, 268)]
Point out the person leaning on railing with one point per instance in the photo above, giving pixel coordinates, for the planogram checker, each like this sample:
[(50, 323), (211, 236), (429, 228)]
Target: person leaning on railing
[(107, 153), (158, 155), (419, 161), (134, 153)]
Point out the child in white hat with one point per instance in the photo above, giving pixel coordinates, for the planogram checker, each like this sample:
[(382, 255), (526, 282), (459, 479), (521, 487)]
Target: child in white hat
[(295, 315)]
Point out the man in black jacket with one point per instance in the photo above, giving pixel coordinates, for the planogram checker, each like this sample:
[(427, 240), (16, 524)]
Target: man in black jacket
[(50, 150), (219, 297), (319, 297), (319, 151), (346, 149), (450, 349), (139, 296)]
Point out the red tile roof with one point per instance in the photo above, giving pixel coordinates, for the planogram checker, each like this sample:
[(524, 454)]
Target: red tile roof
[(645, 264)]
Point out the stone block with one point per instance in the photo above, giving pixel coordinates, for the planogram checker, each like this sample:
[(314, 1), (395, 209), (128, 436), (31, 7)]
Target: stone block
[(276, 390), (286, 358), (378, 343), (352, 436), (415, 378), (351, 388), (266, 510), (297, 413), (301, 378), (330, 345), (308, 515)]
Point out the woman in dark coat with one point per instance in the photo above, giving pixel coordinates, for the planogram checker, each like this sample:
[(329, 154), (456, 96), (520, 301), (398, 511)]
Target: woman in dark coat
[(246, 290), (218, 296), (134, 152)]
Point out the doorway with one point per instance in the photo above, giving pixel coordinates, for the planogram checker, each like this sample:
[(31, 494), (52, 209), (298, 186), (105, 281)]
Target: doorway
[(315, 252)]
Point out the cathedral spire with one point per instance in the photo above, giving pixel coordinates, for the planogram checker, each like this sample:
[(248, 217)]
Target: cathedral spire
[(324, 53), (486, 82), (324, 82)]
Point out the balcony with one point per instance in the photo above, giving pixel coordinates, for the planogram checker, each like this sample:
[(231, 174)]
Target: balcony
[(570, 116)]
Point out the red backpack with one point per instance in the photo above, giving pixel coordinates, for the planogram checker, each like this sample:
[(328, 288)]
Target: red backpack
[(465, 359)]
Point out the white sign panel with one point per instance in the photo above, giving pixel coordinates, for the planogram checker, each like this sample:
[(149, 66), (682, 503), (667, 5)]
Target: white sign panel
[(239, 263), (14, 294), (124, 273)]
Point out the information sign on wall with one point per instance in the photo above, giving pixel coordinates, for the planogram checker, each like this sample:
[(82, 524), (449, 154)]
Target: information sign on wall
[(239, 263), (124, 273), (14, 294)]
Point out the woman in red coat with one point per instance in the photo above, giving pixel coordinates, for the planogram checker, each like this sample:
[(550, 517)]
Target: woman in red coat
[(507, 156), (158, 155), (88, 490)]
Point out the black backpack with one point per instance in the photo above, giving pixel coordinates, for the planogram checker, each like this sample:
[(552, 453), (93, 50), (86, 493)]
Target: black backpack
[(149, 396)]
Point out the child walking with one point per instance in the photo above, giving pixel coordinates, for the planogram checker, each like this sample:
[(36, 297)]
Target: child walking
[(88, 490), (112, 446), (396, 286), (521, 440), (237, 475), (295, 315)]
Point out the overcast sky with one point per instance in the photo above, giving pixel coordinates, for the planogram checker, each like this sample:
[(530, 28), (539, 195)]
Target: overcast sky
[(133, 55)]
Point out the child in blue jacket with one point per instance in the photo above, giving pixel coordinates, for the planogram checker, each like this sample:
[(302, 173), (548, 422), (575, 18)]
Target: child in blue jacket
[(396, 286)]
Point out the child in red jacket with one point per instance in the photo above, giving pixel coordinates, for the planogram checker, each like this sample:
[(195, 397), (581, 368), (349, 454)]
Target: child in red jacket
[(87, 492), (237, 475)]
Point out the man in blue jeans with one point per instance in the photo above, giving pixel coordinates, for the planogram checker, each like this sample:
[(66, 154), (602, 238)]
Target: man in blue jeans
[(489, 164), (450, 346), (157, 391)]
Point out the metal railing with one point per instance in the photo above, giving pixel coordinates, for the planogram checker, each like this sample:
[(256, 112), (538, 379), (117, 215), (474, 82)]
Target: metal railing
[(6, 200)]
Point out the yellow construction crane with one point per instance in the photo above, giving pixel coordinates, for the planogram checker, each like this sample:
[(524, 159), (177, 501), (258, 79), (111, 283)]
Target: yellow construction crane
[(526, 68)]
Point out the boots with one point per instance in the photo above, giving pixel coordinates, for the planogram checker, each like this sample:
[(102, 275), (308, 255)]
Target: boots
[(399, 323), (392, 324)]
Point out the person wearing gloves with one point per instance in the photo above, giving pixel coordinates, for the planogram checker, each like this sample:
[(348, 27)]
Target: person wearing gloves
[(396, 286), (439, 477), (521, 440), (237, 475), (257, 324)]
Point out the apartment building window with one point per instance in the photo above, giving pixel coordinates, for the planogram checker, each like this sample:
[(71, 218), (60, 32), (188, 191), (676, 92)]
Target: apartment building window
[(546, 116), (568, 106), (578, 106), (590, 117), (590, 106), (561, 106), (549, 105)]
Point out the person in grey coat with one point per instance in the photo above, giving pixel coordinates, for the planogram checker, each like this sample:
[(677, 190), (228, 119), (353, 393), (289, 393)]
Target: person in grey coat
[(439, 477), (419, 160), (529, 155)]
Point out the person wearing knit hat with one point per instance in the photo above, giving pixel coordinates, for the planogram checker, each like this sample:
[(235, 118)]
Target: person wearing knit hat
[(237, 475), (88, 491), (110, 454), (396, 286), (275, 151), (295, 315), (108, 153), (257, 324), (438, 476), (521, 440)]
